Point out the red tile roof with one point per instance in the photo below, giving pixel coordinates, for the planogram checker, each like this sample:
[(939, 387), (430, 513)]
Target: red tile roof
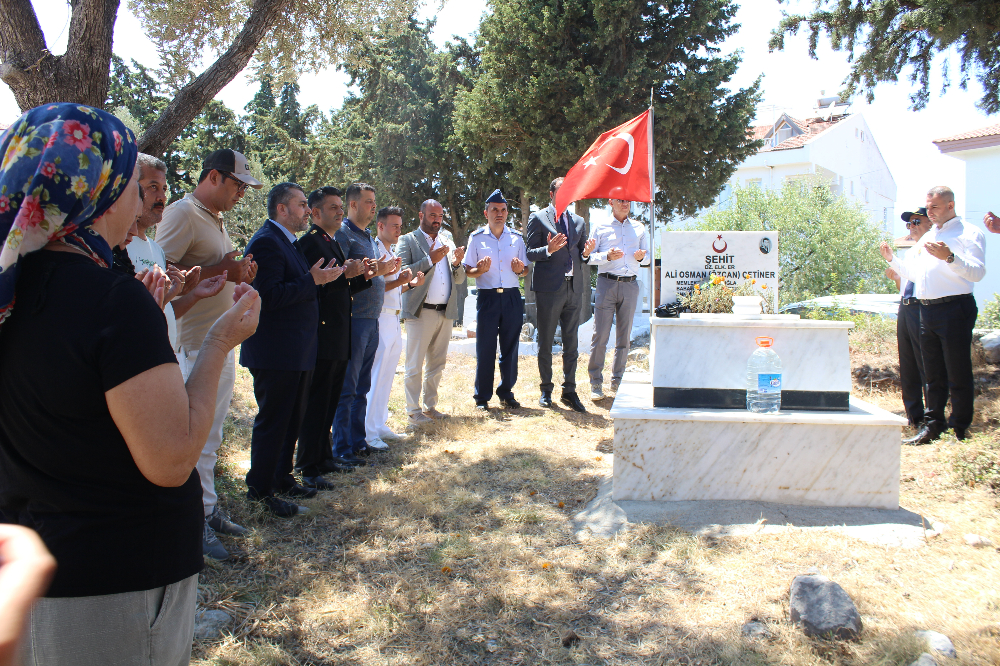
[(992, 130), (811, 129)]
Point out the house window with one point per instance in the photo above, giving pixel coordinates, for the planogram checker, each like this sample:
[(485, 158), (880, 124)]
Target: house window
[(866, 195), (856, 132), (852, 188), (784, 132), (862, 136), (754, 182)]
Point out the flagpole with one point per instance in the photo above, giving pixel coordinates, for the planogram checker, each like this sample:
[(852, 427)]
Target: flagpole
[(652, 215)]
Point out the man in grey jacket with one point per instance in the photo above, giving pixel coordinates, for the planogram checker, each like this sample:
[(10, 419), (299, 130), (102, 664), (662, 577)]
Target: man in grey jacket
[(428, 310)]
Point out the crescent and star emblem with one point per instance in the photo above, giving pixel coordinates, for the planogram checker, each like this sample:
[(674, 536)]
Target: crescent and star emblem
[(724, 245), (627, 138)]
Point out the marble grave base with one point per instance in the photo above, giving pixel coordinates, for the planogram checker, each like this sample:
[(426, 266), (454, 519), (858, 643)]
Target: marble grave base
[(814, 458)]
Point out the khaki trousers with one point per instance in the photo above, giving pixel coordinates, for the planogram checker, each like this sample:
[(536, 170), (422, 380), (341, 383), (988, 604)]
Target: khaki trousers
[(427, 339)]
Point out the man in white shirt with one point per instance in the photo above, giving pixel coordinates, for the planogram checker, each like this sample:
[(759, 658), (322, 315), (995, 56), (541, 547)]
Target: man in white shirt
[(389, 223), (943, 268), (620, 250), (429, 310)]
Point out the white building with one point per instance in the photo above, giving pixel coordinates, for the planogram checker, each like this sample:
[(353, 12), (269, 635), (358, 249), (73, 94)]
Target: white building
[(980, 150), (833, 145)]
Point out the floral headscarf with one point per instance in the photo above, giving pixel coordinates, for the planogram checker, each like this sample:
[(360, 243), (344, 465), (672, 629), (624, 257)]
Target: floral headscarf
[(63, 166)]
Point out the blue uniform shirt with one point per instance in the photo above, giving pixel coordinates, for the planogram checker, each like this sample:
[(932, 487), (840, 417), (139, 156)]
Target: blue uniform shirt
[(501, 251)]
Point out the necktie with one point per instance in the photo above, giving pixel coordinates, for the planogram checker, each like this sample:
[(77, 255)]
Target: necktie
[(563, 227), (908, 290)]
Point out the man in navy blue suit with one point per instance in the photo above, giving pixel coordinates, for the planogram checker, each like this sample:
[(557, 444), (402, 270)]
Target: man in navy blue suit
[(282, 353)]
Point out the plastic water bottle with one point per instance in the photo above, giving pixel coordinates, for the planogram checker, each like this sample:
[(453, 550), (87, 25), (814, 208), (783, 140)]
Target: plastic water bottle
[(764, 379)]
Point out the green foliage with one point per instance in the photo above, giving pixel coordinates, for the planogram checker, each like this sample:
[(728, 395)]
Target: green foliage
[(827, 244), (978, 462), (557, 73), (989, 316), (885, 37), (398, 131)]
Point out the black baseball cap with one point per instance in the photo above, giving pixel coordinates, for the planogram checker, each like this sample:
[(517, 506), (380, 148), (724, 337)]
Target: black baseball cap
[(910, 213), (232, 162)]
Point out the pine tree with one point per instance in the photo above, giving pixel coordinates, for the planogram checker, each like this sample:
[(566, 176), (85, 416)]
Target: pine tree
[(557, 73), (886, 37)]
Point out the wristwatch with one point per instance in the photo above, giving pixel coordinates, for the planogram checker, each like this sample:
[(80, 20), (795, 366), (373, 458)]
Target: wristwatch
[(951, 258)]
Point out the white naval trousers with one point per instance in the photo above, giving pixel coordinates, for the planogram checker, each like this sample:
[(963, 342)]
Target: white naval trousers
[(390, 346)]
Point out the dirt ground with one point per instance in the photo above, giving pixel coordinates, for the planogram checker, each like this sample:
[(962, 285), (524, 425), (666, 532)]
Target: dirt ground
[(456, 547)]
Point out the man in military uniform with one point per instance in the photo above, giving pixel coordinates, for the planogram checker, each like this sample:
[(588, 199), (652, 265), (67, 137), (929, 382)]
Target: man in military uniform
[(496, 258)]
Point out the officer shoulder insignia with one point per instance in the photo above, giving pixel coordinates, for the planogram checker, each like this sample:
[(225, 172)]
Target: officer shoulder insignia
[(478, 231), (314, 231), (516, 232)]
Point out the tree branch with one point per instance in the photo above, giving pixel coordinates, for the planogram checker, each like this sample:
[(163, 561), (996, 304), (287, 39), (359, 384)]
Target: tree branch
[(194, 96)]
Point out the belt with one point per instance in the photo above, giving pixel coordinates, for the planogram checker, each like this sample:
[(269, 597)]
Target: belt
[(569, 278), (910, 301), (617, 278), (388, 311), (945, 299), (500, 290), (440, 307)]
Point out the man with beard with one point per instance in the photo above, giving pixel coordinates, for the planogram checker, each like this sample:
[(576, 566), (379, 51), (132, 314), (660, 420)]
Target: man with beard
[(192, 234), (430, 309), (281, 354)]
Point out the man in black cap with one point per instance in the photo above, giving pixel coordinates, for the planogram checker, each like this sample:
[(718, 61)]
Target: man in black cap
[(496, 258), (911, 365), (191, 234)]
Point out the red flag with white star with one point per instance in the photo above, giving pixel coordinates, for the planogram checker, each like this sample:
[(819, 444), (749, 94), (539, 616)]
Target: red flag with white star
[(616, 166)]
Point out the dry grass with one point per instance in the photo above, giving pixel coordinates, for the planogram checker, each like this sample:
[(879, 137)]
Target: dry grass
[(458, 547)]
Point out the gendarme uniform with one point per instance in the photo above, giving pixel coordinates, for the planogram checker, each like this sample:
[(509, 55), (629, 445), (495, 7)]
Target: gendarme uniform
[(499, 307)]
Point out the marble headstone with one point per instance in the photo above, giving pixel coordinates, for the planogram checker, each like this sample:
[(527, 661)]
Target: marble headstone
[(691, 257)]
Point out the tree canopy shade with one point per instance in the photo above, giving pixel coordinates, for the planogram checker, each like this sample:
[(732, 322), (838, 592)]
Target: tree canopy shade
[(827, 244), (279, 36), (555, 74), (884, 37)]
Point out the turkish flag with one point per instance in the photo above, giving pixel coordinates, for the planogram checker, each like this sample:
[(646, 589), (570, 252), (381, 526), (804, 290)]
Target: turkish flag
[(616, 166)]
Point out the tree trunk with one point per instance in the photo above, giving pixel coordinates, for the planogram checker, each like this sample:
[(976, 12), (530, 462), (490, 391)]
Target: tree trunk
[(190, 100), (525, 210), (35, 76)]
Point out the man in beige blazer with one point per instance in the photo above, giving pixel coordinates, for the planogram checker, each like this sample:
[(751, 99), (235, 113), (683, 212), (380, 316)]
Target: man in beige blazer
[(429, 310)]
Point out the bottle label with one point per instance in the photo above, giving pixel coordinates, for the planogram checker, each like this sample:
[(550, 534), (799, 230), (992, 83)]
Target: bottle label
[(768, 383)]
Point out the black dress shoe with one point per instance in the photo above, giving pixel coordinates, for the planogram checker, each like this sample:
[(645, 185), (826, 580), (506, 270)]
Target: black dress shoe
[(317, 482), (960, 434), (298, 491), (330, 467), (362, 452), (546, 399), (510, 402), (572, 400), (349, 461), (926, 435), (483, 406), (279, 507)]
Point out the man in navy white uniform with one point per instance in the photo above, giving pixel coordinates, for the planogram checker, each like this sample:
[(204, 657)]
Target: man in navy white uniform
[(620, 252), (943, 267), (496, 258)]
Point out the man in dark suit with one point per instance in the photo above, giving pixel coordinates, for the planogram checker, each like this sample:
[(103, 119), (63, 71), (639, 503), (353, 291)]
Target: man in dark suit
[(282, 353), (559, 249), (323, 241)]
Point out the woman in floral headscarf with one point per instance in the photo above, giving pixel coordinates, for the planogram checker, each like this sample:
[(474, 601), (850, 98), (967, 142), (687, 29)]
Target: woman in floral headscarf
[(105, 480)]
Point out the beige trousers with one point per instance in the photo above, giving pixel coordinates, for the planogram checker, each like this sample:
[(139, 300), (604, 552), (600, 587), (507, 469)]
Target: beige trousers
[(427, 339)]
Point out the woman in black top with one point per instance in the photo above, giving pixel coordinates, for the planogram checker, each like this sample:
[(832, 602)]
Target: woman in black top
[(99, 435)]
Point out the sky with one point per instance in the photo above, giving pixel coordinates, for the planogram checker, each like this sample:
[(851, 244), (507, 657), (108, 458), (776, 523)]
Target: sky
[(792, 82)]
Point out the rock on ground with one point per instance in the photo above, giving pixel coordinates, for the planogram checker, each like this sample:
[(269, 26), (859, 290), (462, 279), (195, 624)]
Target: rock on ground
[(938, 642), (823, 609), (208, 624), (991, 345), (755, 629), (977, 541), (925, 659)]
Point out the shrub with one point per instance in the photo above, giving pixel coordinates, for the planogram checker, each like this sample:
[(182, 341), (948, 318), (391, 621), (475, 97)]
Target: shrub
[(989, 316), (978, 463)]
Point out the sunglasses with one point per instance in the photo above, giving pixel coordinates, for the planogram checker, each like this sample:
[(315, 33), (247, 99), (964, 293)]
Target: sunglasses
[(240, 185)]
